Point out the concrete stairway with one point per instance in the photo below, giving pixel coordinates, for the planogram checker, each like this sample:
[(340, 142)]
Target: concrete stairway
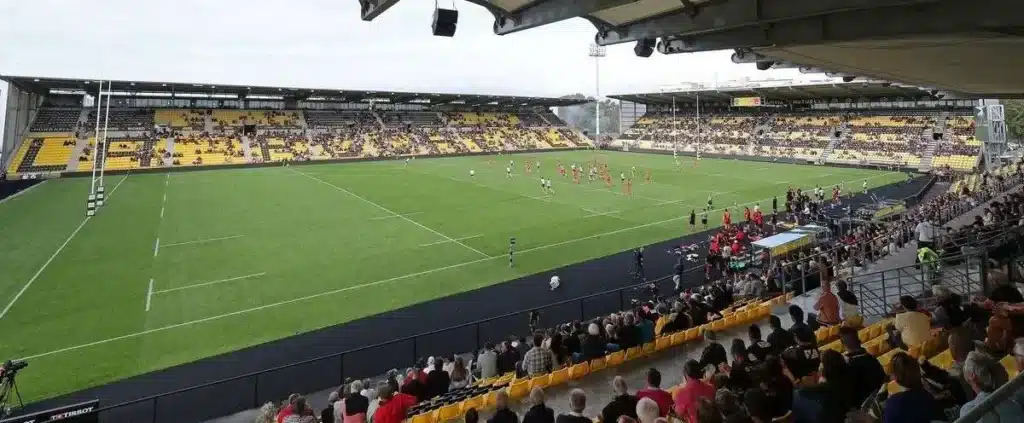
[(169, 146), (832, 143), (246, 149), (929, 154)]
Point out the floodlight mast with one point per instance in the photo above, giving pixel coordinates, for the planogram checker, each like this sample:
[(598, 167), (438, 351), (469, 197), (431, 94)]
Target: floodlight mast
[(597, 52)]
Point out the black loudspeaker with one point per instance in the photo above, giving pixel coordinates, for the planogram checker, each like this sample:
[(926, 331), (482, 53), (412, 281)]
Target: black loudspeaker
[(644, 47), (444, 22)]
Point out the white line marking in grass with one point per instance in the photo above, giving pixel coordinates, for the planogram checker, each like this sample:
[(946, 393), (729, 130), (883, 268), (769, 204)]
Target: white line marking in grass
[(395, 215), (443, 241), (254, 275), (167, 179), (200, 241), (111, 194), (149, 295), (41, 269), (544, 198), (156, 247), (161, 212), (346, 289), (389, 211), (603, 214), (19, 193)]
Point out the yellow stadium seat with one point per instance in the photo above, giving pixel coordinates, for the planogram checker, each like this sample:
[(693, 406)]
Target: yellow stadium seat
[(692, 334), (519, 389), (1010, 364), (449, 412), (615, 358), (662, 343), (541, 381), (579, 370), (487, 382), (559, 377), (505, 379), (632, 353), (678, 338), (886, 360), (597, 364), (428, 417), (476, 402), (648, 349), (943, 360)]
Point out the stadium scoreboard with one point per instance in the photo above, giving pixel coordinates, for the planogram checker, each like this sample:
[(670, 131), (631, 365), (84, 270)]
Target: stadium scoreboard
[(746, 101)]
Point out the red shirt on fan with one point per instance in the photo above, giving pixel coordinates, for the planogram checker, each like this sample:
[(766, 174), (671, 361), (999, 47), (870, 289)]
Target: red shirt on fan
[(726, 218), (394, 410), (660, 396)]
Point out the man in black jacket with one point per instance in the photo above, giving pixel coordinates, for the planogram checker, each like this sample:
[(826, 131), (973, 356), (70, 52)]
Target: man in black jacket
[(623, 404), (867, 373), (538, 412), (780, 339), (577, 403), (758, 350), (502, 414)]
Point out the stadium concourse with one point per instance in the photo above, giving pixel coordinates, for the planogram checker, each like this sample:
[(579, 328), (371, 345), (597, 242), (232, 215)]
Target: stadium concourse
[(733, 350)]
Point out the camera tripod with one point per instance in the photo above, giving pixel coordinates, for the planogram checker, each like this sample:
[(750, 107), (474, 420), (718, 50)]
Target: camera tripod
[(9, 385)]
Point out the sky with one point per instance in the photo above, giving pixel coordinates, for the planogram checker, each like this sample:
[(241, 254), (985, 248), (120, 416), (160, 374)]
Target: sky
[(325, 44)]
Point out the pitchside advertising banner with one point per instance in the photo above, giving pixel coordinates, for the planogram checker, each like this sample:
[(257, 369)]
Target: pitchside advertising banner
[(84, 412), (746, 101)]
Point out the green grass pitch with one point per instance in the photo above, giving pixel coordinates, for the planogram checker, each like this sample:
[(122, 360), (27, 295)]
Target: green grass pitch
[(246, 256)]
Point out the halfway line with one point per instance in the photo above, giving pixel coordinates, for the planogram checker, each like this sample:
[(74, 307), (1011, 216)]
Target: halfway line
[(210, 283), (201, 241)]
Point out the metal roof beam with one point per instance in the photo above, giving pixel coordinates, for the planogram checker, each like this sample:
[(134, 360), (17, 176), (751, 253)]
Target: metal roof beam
[(737, 14), (551, 11), (936, 18), (370, 9)]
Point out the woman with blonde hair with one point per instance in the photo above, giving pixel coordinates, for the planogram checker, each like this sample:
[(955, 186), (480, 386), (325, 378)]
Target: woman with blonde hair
[(460, 375), (268, 413)]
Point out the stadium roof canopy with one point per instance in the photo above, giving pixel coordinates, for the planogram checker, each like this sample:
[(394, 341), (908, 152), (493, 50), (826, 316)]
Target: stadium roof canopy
[(967, 48), (45, 86), (786, 92)]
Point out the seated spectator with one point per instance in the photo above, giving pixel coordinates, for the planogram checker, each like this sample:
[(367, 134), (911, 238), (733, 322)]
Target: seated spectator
[(287, 409), (647, 411), (912, 327), (868, 374), (739, 370), (914, 404), (776, 386), (803, 359), (779, 338), (728, 404), (267, 413), (487, 362), (508, 358), (299, 412), (949, 311), (758, 406), (352, 408), (460, 375), (538, 412), (981, 372), (327, 414), (593, 344), (694, 389), (827, 306), (714, 354), (502, 414), (392, 407), (623, 404), (653, 391), (827, 401), (538, 360), (577, 403), (472, 416), (438, 380)]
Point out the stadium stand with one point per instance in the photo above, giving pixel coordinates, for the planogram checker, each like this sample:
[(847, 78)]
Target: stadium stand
[(56, 120), (123, 120)]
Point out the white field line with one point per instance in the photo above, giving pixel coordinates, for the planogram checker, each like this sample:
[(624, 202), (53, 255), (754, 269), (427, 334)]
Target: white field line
[(389, 211), (443, 241), (603, 214), (201, 241), (19, 193), (351, 288), (167, 179), (149, 295), (395, 215), (41, 269), (55, 253), (179, 288), (161, 212), (156, 247)]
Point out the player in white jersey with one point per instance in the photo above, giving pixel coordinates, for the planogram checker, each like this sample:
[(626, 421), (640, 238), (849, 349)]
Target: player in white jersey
[(622, 176), (508, 172), (632, 172), (536, 165), (511, 163), (543, 184), (407, 162), (548, 186), (593, 173), (675, 156)]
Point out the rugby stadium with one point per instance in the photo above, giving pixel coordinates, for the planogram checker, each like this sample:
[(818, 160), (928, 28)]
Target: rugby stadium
[(194, 252)]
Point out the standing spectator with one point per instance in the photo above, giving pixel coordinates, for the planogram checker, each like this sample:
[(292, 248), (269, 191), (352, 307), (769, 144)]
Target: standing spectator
[(779, 338), (623, 404), (392, 407), (487, 362), (799, 326), (827, 306), (577, 403), (538, 412), (714, 354), (979, 370), (460, 375), (288, 408), (538, 360), (647, 411), (803, 359), (327, 414), (949, 312), (687, 397), (653, 391), (914, 404), (508, 358), (912, 326), (867, 372), (739, 371), (777, 386), (438, 381), (926, 232), (848, 305), (758, 406), (758, 350), (267, 413), (502, 414), (355, 405)]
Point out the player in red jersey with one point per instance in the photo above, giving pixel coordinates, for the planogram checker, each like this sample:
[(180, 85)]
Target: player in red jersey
[(726, 218), (628, 188)]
